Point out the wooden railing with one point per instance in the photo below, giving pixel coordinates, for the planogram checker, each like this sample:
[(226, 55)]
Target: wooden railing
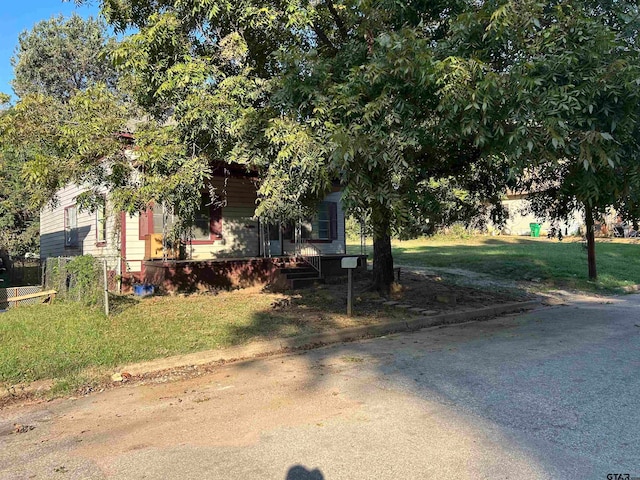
[(311, 255), (14, 296)]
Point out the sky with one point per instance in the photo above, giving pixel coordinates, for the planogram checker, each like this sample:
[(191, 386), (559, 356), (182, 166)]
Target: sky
[(19, 15)]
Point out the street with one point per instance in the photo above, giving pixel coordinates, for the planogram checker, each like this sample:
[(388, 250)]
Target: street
[(553, 393)]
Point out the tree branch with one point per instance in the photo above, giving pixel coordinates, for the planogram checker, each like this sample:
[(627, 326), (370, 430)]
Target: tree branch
[(323, 38), (334, 13)]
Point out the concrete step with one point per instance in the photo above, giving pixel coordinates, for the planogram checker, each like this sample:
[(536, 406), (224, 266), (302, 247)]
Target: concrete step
[(287, 271), (306, 274)]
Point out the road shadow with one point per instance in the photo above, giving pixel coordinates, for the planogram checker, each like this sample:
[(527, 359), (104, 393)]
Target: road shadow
[(556, 383), (298, 472)]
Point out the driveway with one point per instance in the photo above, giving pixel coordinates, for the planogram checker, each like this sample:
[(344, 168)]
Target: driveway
[(550, 394)]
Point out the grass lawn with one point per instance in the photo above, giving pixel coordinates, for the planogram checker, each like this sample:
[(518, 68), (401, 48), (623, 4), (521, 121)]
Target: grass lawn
[(65, 341), (553, 263), (75, 345)]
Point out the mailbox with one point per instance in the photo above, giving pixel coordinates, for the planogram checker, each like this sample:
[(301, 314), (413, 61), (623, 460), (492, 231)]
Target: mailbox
[(349, 262)]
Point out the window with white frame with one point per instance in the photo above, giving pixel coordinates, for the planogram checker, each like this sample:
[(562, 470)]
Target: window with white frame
[(71, 226), (101, 224), (323, 225)]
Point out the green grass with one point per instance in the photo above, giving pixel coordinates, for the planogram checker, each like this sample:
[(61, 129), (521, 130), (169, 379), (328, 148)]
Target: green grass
[(56, 341), (72, 344), (555, 264)]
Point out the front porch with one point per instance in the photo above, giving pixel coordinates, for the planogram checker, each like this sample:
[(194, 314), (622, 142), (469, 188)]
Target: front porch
[(229, 273)]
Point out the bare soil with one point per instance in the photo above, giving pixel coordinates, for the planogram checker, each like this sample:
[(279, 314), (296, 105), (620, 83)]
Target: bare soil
[(421, 290)]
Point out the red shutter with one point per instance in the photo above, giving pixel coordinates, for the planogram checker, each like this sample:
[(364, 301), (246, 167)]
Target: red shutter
[(216, 222), (143, 224), (333, 220)]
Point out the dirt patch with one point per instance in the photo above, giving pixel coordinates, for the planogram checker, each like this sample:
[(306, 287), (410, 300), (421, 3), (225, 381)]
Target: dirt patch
[(423, 291), (431, 292), (157, 416)]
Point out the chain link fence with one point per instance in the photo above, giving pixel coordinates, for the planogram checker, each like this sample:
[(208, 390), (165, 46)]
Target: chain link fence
[(12, 292), (79, 279)]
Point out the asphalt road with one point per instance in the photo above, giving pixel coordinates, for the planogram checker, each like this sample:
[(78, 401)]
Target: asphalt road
[(550, 394)]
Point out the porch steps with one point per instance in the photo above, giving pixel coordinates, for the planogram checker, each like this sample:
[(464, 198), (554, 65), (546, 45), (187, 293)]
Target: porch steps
[(300, 275)]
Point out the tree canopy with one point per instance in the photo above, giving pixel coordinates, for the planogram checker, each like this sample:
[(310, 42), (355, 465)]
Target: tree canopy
[(312, 93), (423, 111), (50, 135), (60, 56)]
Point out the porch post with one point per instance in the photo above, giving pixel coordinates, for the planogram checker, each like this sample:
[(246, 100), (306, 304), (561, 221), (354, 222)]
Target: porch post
[(267, 240), (263, 238), (298, 235)]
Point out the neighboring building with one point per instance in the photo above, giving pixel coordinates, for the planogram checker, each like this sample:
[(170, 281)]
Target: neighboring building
[(134, 244), (520, 217)]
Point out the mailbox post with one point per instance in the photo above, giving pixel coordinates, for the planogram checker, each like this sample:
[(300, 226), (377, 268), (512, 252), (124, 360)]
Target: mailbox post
[(349, 263)]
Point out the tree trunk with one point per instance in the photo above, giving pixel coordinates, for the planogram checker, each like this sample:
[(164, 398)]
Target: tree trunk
[(382, 257), (591, 242)]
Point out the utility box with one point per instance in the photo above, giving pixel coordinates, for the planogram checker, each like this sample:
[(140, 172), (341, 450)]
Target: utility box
[(153, 248)]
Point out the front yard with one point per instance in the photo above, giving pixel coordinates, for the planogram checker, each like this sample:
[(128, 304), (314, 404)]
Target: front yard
[(548, 263), (61, 340), (75, 345)]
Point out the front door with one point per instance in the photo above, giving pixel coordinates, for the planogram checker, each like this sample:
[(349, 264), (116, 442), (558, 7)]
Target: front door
[(275, 239)]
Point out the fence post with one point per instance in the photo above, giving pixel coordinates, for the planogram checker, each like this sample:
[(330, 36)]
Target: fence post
[(106, 288)]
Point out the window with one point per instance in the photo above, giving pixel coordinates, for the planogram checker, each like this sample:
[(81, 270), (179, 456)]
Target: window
[(324, 224), (155, 220), (202, 221), (163, 219), (101, 224), (207, 224), (206, 228), (321, 225), (70, 226)]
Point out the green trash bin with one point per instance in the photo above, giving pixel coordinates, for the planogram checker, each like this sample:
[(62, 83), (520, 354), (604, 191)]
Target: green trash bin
[(535, 229)]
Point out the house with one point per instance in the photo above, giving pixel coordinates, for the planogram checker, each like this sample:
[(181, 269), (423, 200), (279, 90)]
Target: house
[(520, 217), (228, 246)]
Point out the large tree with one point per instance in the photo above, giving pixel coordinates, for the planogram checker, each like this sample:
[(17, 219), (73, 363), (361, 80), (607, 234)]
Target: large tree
[(310, 93), (52, 134), (60, 56), (405, 103), (18, 216), (560, 83)]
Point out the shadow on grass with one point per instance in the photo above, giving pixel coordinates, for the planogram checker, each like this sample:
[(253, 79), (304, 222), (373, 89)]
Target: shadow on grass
[(312, 310), (559, 264), (120, 303)]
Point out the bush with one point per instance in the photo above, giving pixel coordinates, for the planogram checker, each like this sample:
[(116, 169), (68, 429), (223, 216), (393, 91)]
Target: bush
[(78, 279)]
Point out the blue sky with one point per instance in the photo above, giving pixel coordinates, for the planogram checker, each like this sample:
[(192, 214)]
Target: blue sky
[(19, 15)]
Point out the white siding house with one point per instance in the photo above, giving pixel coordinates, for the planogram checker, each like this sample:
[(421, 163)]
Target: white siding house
[(520, 217), (226, 231), (331, 237), (67, 231)]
